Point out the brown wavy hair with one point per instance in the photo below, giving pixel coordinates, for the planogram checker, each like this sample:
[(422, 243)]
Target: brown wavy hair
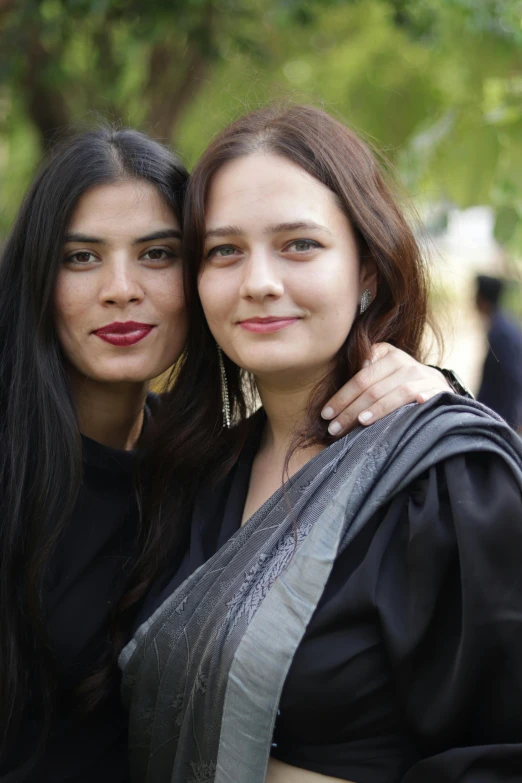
[(189, 443), (340, 160)]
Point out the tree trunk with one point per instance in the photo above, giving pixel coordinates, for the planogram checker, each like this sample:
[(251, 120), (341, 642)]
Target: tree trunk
[(171, 98), (176, 77), (46, 106)]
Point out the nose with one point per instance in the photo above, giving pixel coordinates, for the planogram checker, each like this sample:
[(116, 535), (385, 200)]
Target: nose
[(262, 278), (121, 283)]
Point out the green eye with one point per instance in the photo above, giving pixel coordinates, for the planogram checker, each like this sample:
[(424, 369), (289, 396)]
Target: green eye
[(303, 245), (222, 251)]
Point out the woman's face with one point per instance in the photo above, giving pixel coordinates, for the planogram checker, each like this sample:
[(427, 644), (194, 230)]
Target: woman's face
[(281, 280), (119, 305)]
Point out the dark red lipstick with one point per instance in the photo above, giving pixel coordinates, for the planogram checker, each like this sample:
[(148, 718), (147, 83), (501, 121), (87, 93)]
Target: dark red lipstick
[(124, 334)]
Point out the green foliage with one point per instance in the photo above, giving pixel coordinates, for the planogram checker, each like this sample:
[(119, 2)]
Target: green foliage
[(436, 83)]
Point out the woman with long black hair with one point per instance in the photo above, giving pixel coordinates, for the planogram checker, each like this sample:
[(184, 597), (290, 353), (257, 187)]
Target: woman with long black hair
[(361, 622), (91, 309)]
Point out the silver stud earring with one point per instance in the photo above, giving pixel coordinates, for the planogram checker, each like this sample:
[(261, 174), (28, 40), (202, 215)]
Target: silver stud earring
[(366, 300), (225, 400)]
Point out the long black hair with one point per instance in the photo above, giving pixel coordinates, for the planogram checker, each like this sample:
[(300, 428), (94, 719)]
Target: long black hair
[(40, 444)]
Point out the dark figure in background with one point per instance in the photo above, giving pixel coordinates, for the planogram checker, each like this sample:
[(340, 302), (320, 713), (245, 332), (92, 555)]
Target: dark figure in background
[(501, 385)]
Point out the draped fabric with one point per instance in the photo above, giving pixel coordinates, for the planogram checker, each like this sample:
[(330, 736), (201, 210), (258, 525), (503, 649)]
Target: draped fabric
[(203, 676)]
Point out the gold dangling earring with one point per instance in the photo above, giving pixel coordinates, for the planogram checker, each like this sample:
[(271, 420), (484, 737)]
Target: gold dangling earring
[(366, 300), (225, 400)]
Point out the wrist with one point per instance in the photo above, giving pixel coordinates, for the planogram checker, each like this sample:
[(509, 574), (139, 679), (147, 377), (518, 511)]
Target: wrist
[(455, 383)]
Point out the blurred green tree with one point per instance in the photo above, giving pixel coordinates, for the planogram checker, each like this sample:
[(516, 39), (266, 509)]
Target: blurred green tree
[(437, 83), (70, 63), (62, 58), (470, 151)]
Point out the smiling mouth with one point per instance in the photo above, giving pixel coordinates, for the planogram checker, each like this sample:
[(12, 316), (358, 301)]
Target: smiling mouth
[(267, 325), (124, 334)]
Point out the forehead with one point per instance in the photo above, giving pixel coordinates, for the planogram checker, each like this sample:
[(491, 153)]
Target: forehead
[(130, 207), (268, 188)]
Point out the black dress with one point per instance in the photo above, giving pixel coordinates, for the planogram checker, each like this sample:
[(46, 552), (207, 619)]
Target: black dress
[(411, 667), (82, 584)]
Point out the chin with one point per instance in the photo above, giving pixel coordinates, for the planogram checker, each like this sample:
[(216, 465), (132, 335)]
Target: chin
[(127, 378), (115, 375), (269, 360), (290, 370), (285, 373), (274, 361)]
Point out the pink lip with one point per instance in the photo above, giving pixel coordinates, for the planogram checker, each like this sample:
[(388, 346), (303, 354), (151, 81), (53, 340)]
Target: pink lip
[(124, 334), (266, 325)]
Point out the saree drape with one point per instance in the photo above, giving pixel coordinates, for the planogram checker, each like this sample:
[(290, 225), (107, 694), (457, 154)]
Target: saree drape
[(203, 676)]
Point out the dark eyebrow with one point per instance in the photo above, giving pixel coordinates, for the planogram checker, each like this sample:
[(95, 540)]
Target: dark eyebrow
[(83, 238), (168, 233), (279, 228)]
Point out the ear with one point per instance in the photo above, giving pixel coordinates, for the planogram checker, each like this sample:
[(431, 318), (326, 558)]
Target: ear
[(368, 277)]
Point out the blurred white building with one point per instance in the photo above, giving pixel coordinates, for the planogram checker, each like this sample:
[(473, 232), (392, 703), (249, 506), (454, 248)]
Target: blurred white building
[(465, 248)]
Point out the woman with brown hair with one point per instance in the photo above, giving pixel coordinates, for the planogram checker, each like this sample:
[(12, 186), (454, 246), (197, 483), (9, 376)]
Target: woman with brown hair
[(362, 621)]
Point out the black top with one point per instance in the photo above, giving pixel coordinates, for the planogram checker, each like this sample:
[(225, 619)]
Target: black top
[(501, 384), (82, 585), (415, 650)]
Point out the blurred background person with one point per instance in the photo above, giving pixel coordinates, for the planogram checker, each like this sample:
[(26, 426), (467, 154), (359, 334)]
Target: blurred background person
[(501, 384)]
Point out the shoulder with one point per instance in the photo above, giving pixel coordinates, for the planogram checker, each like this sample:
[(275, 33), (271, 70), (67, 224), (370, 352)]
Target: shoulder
[(413, 440), (461, 523), (475, 491), (449, 489), (451, 450)]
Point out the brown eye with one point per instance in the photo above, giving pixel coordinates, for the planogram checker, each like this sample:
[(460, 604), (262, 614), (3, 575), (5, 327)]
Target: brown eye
[(81, 257), (159, 254)]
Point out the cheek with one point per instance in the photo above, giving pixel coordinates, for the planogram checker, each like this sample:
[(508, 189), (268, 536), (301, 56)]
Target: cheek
[(167, 295), (332, 298), (327, 291), (166, 289), (216, 292), (71, 300)]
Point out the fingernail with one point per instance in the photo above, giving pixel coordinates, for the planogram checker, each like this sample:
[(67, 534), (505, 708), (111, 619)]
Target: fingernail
[(366, 363), (365, 417), (327, 412), (334, 428), (423, 396)]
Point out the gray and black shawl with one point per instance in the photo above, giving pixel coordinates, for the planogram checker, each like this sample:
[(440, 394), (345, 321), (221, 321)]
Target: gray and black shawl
[(203, 676)]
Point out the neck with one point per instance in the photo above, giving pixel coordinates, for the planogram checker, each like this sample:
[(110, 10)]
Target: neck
[(286, 412), (109, 413)]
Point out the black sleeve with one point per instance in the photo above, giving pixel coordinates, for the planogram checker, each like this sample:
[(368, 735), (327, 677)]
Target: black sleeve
[(449, 597)]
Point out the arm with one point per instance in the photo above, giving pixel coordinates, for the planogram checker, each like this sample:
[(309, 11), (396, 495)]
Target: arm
[(390, 380), (450, 605)]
